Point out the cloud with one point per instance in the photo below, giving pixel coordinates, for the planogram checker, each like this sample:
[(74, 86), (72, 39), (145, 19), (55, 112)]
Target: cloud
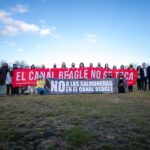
[(12, 27), (49, 31), (19, 9), (91, 38), (20, 50), (45, 31)]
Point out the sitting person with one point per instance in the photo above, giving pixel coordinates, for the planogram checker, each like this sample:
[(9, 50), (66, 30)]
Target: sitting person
[(26, 90), (40, 88)]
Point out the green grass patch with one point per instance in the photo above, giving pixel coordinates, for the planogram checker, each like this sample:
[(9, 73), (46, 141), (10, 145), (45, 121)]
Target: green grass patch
[(77, 136), (70, 122)]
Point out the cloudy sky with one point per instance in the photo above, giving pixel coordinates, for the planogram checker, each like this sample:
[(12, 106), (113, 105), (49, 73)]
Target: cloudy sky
[(52, 31)]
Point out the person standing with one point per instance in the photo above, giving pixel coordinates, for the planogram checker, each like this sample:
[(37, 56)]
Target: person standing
[(73, 65), (148, 76), (107, 66), (130, 87), (99, 65), (144, 76), (8, 81), (139, 81), (63, 65), (81, 65), (15, 90), (3, 73), (32, 88)]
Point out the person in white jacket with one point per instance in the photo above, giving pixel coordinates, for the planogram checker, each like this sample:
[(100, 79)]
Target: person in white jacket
[(8, 81)]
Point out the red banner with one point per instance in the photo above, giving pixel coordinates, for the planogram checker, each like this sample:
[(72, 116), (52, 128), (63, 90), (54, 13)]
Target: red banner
[(25, 77)]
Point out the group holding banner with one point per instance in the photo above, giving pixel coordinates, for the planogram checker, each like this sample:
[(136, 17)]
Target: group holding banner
[(61, 79)]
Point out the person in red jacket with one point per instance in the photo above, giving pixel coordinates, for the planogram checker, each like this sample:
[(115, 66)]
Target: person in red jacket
[(130, 87)]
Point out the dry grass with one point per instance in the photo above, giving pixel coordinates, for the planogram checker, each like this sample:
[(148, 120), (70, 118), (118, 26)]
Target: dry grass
[(88, 122)]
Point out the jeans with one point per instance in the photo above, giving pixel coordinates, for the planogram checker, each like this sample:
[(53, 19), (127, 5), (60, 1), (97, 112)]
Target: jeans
[(40, 91), (2, 90)]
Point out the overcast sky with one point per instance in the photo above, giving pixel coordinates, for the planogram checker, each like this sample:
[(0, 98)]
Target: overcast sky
[(52, 31)]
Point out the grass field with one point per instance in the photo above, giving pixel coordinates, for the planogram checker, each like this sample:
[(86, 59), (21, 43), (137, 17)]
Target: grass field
[(72, 122)]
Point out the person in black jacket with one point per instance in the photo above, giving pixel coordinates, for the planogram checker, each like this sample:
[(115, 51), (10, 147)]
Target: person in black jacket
[(15, 90), (144, 76), (3, 73), (139, 80), (148, 76), (122, 84)]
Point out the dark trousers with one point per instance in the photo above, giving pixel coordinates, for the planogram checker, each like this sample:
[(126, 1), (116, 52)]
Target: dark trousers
[(149, 84), (9, 89), (15, 91), (130, 88), (144, 83), (139, 84)]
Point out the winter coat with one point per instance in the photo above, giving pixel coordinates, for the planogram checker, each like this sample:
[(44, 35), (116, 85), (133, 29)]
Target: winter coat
[(3, 73), (8, 80)]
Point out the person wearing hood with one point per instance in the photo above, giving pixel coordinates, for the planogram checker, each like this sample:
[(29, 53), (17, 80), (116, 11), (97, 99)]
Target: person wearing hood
[(3, 73)]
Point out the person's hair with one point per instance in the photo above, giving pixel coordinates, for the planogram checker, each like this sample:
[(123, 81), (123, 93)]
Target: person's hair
[(73, 65), (40, 77), (99, 64), (63, 65), (143, 64), (14, 65), (131, 66), (33, 66), (43, 66), (138, 67), (91, 64), (27, 67), (54, 66), (81, 65), (106, 65), (114, 67), (122, 67)]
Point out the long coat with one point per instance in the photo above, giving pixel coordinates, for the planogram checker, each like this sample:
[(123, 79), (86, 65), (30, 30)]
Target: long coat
[(3, 73)]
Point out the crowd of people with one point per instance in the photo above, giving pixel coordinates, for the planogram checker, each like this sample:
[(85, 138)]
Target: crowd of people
[(6, 76)]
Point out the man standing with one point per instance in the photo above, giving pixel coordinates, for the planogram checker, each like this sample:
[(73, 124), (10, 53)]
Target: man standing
[(144, 76), (148, 76)]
